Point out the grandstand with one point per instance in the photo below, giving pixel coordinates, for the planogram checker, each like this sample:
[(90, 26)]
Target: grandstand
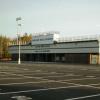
[(51, 47)]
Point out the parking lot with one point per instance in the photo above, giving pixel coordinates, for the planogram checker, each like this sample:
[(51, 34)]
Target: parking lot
[(49, 82)]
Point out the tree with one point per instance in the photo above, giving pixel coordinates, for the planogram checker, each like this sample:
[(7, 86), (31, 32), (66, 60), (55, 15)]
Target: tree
[(4, 43), (26, 38)]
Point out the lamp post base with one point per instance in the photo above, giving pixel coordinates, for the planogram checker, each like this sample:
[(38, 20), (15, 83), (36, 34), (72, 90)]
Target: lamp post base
[(19, 62)]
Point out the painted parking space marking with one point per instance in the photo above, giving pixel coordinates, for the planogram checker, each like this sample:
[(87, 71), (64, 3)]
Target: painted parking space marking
[(82, 79), (85, 81), (23, 83), (44, 83), (72, 84), (84, 85), (44, 78), (84, 97), (10, 78), (62, 76), (40, 90), (90, 76)]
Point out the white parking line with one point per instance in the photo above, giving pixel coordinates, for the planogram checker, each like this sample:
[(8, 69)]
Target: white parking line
[(82, 79), (3, 72), (52, 73), (90, 85), (62, 75), (10, 78), (20, 71), (44, 79), (37, 90), (24, 76), (26, 83), (96, 84), (90, 76), (78, 85), (84, 97)]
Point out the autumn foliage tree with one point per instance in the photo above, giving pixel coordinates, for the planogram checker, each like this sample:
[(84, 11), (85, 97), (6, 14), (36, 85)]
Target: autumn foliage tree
[(5, 42), (26, 38)]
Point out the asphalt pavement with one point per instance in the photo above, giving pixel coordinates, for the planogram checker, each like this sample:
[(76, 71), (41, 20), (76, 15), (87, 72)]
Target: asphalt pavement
[(38, 81)]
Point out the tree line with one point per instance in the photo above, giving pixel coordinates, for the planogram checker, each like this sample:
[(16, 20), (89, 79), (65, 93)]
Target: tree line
[(5, 42)]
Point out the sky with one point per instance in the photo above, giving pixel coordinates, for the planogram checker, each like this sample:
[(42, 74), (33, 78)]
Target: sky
[(69, 17)]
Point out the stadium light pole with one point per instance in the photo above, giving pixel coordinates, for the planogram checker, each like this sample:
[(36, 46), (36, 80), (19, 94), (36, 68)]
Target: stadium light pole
[(18, 34), (1, 48)]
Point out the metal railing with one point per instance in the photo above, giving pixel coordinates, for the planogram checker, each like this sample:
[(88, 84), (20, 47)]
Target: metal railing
[(79, 38)]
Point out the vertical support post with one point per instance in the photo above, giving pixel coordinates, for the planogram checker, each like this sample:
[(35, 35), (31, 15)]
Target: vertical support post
[(46, 59), (99, 52), (55, 57), (90, 58)]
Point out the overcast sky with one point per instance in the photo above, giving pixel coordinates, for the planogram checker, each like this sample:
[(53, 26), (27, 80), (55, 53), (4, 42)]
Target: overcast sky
[(69, 17)]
